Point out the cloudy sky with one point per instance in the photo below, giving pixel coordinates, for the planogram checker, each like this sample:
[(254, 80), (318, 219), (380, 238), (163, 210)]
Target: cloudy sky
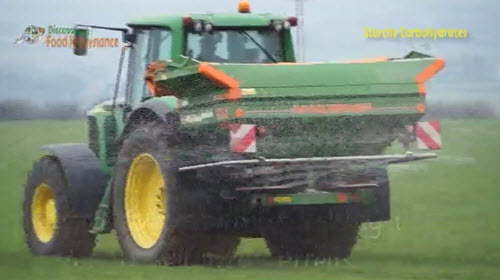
[(334, 31)]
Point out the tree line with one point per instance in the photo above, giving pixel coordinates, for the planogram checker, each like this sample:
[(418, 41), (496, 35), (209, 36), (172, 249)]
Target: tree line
[(26, 110)]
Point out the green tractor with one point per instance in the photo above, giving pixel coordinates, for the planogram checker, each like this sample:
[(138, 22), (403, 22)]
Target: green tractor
[(221, 134)]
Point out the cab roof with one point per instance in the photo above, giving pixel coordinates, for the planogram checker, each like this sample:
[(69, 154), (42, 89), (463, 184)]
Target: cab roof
[(217, 19)]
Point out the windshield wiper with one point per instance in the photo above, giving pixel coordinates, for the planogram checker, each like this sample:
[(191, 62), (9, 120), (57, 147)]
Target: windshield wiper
[(266, 52)]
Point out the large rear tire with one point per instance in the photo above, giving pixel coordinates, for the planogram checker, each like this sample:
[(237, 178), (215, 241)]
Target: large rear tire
[(50, 227), (155, 216), (311, 240)]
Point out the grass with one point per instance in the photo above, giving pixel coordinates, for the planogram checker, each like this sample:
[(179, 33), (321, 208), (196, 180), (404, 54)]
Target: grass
[(445, 225)]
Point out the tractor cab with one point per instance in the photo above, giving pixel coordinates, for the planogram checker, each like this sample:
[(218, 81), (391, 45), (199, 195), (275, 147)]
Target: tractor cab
[(233, 38)]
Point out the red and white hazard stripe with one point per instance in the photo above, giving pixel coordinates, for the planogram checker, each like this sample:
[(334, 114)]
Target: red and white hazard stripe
[(242, 138), (428, 135)]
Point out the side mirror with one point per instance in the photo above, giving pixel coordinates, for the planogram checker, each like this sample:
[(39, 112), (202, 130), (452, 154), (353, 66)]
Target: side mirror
[(81, 39)]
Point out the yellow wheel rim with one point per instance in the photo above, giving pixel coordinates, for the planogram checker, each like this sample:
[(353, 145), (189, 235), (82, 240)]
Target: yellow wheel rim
[(145, 201), (43, 213)]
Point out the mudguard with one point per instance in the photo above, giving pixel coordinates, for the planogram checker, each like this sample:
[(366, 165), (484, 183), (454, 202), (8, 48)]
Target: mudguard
[(158, 107), (155, 108), (161, 106), (85, 179)]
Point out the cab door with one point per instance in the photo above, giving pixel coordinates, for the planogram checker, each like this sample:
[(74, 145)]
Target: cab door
[(151, 44)]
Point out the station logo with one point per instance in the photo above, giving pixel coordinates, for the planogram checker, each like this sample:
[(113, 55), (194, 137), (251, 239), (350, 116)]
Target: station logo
[(31, 35), (61, 37)]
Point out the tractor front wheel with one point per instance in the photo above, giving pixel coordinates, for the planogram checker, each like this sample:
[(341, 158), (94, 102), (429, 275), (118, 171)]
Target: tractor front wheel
[(50, 227)]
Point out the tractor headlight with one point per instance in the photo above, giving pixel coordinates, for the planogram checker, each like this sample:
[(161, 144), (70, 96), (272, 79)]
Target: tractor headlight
[(198, 26), (278, 26), (287, 24), (209, 27)]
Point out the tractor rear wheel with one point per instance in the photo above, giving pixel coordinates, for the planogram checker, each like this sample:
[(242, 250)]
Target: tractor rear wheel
[(155, 217), (145, 195), (49, 226), (316, 240)]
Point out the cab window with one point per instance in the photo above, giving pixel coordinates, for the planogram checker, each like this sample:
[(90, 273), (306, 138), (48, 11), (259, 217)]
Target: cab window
[(151, 44), (236, 46)]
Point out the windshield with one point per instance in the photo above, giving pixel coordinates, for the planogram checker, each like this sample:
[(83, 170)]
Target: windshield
[(236, 46)]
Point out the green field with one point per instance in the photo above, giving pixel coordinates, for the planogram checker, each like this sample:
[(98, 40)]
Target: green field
[(446, 219)]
